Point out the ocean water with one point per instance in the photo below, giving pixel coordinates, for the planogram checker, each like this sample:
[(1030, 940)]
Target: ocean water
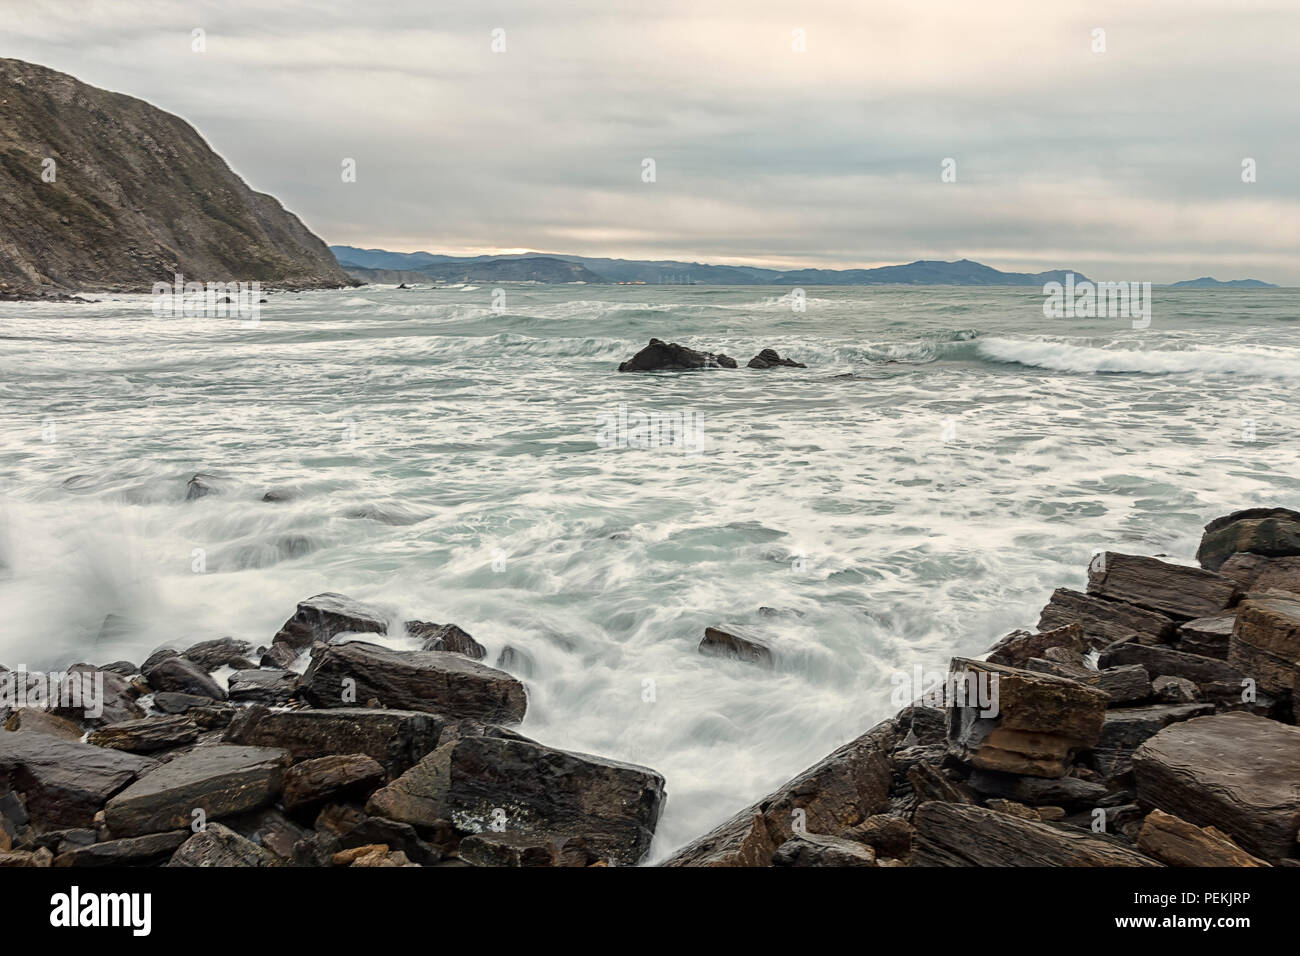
[(948, 458)]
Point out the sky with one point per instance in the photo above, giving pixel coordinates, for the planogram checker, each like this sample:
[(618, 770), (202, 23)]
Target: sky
[(784, 135)]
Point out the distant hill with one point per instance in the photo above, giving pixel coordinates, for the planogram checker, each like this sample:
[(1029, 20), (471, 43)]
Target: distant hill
[(411, 265), (530, 269), (1205, 282), (137, 196)]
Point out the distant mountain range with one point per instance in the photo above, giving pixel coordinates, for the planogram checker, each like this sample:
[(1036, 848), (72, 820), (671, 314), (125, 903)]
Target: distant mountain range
[(380, 265)]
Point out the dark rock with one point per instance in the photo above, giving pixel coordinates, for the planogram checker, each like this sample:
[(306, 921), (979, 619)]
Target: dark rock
[(446, 637), (324, 778), (146, 734), (889, 836), (1207, 636), (221, 780), (768, 358), (818, 849), (1172, 589), (271, 830), (200, 486), (321, 617), (1175, 690), (1254, 572), (37, 721), (1175, 842), (659, 355), (929, 784), (720, 643), (516, 661), (133, 851), (1019, 646), (950, 834), (1236, 772), (215, 717), (1165, 661), (173, 702), (218, 845), (1104, 621), (1265, 643), (509, 849), (183, 676), (923, 725), (65, 783), (157, 657), (435, 681), (1126, 684), (121, 668), (1069, 792), (1127, 728), (394, 738), (470, 781), (118, 703), (223, 652), (264, 686), (1272, 532), (279, 656)]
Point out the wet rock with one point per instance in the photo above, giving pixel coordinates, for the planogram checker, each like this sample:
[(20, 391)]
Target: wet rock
[(117, 701), (473, 781), (1035, 724), (1104, 621), (1236, 772), (34, 720), (262, 685), (817, 849), (509, 849), (720, 643), (1271, 532), (65, 783), (768, 358), (1019, 646), (446, 637), (335, 777), (218, 845), (18, 858), (147, 734), (351, 828), (1175, 690), (1265, 643), (949, 834), (1165, 661), (1125, 684), (121, 668), (394, 738), (925, 726), (832, 796), (221, 780), (173, 702), (1173, 589), (157, 657), (321, 617), (1207, 636), (1175, 842), (435, 681), (223, 652), (1127, 728), (889, 836), (1254, 572), (659, 356), (200, 486), (183, 676), (1069, 792), (132, 851), (279, 656), (928, 783), (516, 661)]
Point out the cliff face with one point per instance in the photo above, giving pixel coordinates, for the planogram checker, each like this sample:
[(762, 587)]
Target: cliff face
[(137, 196)]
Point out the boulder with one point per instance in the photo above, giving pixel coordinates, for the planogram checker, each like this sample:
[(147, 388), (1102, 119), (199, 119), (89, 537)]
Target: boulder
[(516, 661), (394, 738), (38, 721), (436, 681), (1272, 532), (132, 851), (1234, 771), (445, 637), (818, 849), (321, 617), (950, 834), (1104, 621), (1127, 727), (173, 702), (1254, 572), (1020, 646), (1265, 643), (1175, 842), (1207, 636), (509, 849), (1069, 792), (222, 652), (217, 845), (1173, 589), (1164, 661), (266, 685), (118, 702), (1175, 690), (272, 830), (834, 795), (1032, 723), (889, 836), (1125, 684), (768, 358), (65, 783), (146, 734), (658, 356), (324, 778), (221, 780), (719, 643), (183, 676)]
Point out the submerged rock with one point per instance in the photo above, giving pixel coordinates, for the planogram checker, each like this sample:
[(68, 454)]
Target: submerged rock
[(446, 637), (719, 643), (222, 652), (182, 675), (768, 358), (658, 356)]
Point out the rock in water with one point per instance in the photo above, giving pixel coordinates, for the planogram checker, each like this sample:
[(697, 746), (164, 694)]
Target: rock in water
[(1233, 771), (182, 676), (659, 356), (474, 781), (65, 783), (719, 643), (1272, 532), (1172, 589), (438, 682), (446, 637), (768, 358), (1018, 647), (321, 617)]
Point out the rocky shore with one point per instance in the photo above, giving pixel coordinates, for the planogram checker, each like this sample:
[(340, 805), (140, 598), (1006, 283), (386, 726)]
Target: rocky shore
[(1147, 721)]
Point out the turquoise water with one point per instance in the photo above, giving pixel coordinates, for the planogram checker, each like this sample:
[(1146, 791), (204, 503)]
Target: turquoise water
[(947, 459)]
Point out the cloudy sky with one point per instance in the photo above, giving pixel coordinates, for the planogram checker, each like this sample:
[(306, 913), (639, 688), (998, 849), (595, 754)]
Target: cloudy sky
[(1125, 164)]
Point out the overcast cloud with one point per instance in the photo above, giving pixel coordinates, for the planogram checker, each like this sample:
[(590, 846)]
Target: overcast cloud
[(1125, 164)]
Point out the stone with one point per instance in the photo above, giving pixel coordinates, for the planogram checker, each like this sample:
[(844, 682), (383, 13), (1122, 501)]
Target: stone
[(1254, 572), (1173, 589), (839, 792), (1164, 661), (218, 845), (121, 668), (184, 676), (818, 849), (1125, 684), (719, 643), (515, 661), (950, 834), (1233, 771), (1175, 842), (1175, 690), (1127, 727), (889, 836), (65, 783), (321, 617), (1019, 646), (394, 738), (1070, 792), (222, 652), (925, 726), (37, 721), (262, 685), (509, 849), (18, 858), (352, 828), (660, 356), (1206, 636), (1271, 532), (221, 779), (768, 358), (1265, 642), (1035, 724), (446, 637), (614, 806), (279, 656), (172, 702), (436, 681), (1104, 621), (118, 702), (132, 851), (323, 778), (146, 734), (271, 830)]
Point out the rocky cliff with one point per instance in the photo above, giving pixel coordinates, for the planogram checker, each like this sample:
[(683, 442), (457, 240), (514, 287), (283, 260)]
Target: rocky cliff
[(101, 191)]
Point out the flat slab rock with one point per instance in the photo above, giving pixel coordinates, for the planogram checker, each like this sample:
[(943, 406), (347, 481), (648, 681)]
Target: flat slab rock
[(1175, 842), (1254, 572), (815, 849), (394, 738), (950, 834), (147, 734), (1019, 647), (1172, 589), (1265, 642), (438, 682), (266, 685), (314, 781), (719, 643), (65, 783), (526, 787), (1233, 771), (132, 851), (221, 780), (1162, 661), (218, 845), (1104, 621)]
